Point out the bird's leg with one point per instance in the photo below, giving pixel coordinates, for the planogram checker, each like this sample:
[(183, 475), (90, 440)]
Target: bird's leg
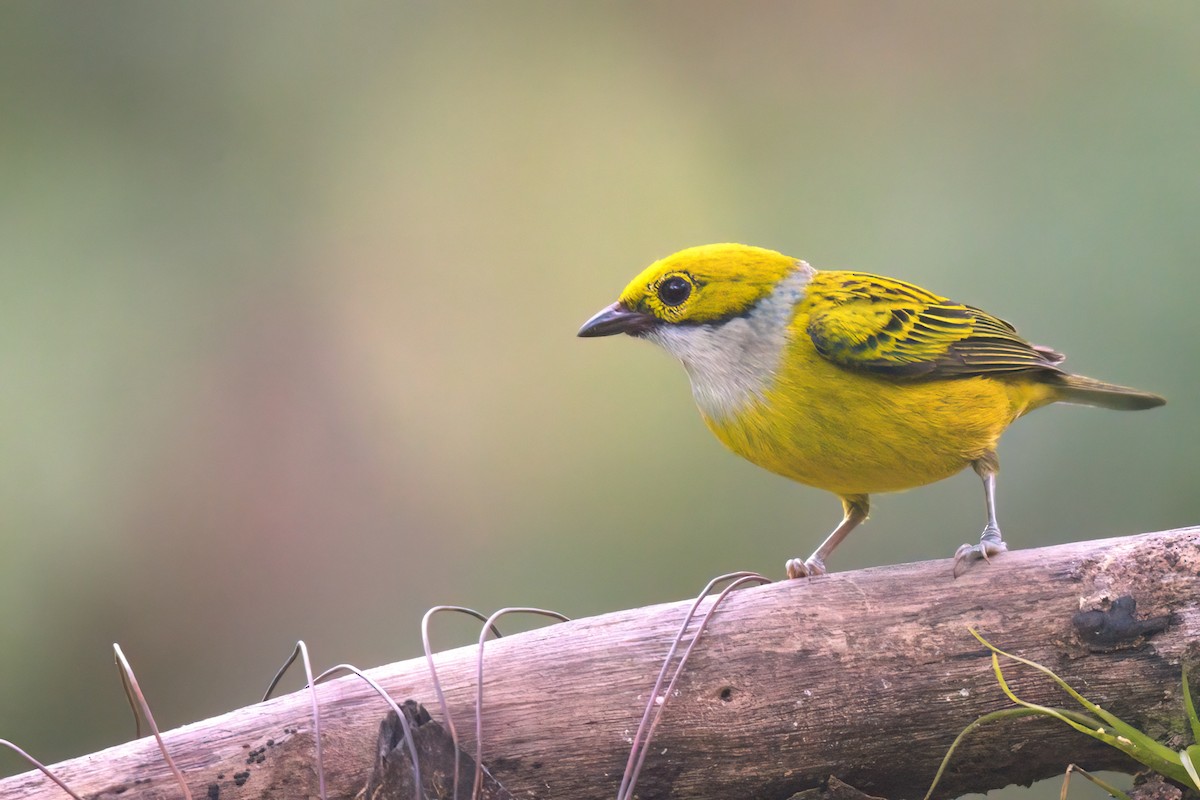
[(855, 508), (990, 542)]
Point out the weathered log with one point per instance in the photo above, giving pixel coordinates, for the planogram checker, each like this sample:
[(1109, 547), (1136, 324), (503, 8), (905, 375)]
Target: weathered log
[(865, 675)]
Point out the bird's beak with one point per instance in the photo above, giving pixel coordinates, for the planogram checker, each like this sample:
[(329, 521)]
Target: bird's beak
[(617, 319)]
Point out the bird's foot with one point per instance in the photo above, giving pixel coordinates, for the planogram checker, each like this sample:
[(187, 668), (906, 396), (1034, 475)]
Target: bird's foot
[(796, 568), (990, 544)]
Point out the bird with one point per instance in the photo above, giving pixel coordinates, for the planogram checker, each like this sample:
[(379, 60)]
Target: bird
[(846, 381)]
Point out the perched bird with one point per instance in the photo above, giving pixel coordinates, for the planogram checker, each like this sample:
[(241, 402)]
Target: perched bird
[(849, 382)]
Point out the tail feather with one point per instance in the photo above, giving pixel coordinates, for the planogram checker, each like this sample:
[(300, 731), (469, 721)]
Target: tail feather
[(1091, 392)]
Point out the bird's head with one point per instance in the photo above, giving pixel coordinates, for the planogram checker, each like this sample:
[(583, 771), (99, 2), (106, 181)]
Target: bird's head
[(705, 285), (721, 309)]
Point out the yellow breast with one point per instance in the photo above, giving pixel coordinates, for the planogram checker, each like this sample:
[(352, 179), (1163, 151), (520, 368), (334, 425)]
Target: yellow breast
[(855, 433)]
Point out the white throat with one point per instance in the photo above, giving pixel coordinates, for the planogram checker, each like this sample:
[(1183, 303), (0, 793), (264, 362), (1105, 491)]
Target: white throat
[(734, 363)]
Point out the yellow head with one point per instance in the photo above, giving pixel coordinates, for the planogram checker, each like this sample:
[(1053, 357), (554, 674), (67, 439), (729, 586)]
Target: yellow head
[(706, 284), (721, 309)]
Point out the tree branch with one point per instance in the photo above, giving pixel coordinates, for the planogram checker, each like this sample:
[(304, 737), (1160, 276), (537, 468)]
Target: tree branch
[(866, 676)]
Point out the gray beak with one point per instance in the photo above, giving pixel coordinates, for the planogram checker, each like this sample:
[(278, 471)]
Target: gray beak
[(617, 319)]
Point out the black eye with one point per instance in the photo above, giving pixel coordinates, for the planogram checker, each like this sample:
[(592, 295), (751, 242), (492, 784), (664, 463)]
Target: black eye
[(674, 290)]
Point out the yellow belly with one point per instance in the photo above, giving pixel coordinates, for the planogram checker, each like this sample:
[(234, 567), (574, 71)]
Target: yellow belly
[(853, 433)]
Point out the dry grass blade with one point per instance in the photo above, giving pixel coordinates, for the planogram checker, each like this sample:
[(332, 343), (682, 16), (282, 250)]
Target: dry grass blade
[(131, 685), (133, 709), (654, 706), (408, 734), (1073, 769), (490, 624), (437, 683), (302, 651), (39, 766)]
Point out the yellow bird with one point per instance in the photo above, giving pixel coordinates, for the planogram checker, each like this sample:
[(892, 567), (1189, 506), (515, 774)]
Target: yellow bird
[(849, 382)]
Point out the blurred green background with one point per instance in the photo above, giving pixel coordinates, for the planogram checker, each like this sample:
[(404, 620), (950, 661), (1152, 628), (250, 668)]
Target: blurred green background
[(290, 293)]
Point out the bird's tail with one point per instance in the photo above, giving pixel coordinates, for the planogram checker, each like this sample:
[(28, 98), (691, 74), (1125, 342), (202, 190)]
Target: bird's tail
[(1091, 392)]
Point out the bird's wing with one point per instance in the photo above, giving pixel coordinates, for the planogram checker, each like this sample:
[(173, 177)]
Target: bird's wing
[(889, 327)]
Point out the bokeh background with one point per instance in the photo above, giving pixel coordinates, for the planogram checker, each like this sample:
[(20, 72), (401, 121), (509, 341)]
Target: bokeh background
[(290, 293)]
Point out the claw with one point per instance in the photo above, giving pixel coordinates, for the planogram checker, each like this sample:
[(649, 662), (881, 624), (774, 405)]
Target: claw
[(797, 568), (990, 544)]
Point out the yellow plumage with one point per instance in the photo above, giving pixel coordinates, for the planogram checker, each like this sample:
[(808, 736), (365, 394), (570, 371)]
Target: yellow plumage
[(840, 432), (857, 432), (849, 382)]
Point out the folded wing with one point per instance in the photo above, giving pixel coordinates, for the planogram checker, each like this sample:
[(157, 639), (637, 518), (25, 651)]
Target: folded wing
[(889, 327)]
